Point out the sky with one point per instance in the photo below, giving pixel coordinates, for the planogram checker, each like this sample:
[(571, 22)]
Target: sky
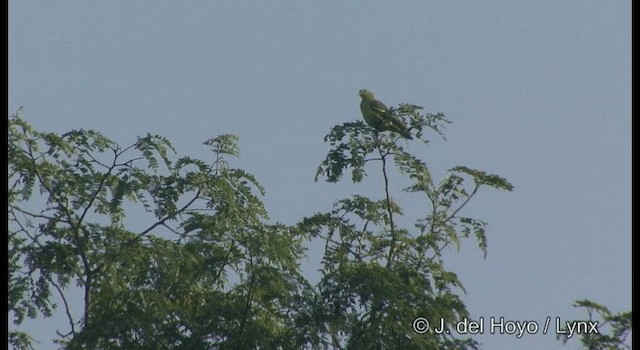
[(539, 92)]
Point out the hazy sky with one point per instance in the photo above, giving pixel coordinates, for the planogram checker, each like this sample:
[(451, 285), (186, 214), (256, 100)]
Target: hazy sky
[(538, 92)]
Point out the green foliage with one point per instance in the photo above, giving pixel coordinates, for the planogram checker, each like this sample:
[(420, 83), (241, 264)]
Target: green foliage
[(20, 340), (352, 142), (201, 268), (377, 277), (205, 270), (619, 326)]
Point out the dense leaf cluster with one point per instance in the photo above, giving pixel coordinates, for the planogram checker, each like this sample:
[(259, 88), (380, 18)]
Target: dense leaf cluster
[(180, 254)]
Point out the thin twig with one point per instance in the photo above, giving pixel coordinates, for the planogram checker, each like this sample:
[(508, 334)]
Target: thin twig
[(389, 210), (475, 189), (66, 305)]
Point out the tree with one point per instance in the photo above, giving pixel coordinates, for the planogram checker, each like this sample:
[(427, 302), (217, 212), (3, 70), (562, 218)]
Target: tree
[(201, 267), (379, 277), (591, 331), (206, 271)]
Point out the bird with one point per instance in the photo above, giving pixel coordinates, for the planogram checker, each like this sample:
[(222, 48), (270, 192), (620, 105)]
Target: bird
[(379, 117)]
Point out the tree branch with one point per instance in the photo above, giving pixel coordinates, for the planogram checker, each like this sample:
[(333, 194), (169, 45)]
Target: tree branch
[(162, 222), (475, 189), (389, 210)]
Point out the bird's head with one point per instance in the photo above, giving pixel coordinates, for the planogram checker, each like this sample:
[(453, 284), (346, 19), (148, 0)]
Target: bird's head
[(364, 93)]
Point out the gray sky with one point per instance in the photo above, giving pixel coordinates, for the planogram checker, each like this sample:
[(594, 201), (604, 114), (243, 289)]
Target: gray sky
[(538, 91)]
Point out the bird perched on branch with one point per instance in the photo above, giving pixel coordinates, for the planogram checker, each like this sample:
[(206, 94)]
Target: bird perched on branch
[(378, 116)]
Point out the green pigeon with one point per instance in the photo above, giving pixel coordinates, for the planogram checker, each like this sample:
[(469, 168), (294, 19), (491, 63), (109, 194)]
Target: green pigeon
[(378, 116)]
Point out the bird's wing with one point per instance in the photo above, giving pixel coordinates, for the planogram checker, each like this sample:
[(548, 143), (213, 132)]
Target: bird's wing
[(378, 107), (383, 120), (382, 110)]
